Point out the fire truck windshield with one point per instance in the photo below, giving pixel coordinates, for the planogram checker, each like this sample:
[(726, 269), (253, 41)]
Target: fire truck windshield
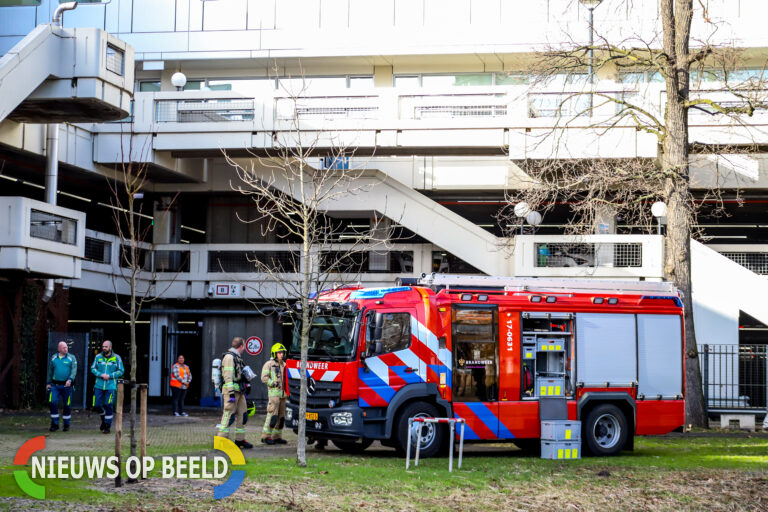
[(330, 338)]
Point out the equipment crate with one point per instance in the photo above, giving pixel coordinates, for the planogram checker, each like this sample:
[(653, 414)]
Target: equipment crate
[(560, 430), (546, 386), (557, 450), (551, 345)]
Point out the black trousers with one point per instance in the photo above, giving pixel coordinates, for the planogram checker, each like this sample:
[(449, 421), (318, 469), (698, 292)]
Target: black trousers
[(178, 399)]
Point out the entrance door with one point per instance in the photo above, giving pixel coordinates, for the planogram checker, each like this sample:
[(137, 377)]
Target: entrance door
[(475, 387), (187, 344)]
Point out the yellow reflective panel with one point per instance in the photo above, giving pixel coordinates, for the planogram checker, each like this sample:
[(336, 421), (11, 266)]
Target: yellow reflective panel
[(560, 453), (557, 390), (567, 433)]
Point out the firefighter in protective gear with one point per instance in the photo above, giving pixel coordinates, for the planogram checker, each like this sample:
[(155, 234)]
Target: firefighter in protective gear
[(272, 375), (233, 391)]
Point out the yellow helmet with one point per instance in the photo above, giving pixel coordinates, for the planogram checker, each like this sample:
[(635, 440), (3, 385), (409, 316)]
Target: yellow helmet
[(278, 347)]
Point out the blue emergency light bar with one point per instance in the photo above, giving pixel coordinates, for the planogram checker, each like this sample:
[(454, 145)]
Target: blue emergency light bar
[(377, 293), (677, 300)]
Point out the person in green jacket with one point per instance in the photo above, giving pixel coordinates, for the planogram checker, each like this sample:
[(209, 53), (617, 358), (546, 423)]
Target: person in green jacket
[(62, 369), (107, 367)]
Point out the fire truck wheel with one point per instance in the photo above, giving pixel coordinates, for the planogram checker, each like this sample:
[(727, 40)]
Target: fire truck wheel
[(431, 433), (605, 430), (353, 446)]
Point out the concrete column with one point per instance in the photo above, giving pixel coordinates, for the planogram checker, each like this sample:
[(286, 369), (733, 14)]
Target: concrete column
[(383, 76), (605, 224)]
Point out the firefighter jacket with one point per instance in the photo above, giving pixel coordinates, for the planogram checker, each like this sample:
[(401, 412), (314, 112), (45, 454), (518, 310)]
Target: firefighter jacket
[(272, 375), (232, 373), (180, 376), (112, 366), (61, 368)]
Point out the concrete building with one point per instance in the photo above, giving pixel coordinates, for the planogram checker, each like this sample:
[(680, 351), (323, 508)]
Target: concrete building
[(433, 94)]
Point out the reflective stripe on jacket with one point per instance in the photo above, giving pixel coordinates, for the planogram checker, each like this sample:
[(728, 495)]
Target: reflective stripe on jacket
[(272, 375), (112, 366)]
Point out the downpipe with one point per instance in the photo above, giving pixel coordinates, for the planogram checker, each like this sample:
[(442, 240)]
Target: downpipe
[(58, 14), (52, 150), (51, 175)]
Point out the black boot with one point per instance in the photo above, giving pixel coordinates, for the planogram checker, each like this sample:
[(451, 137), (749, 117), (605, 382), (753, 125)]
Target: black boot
[(54, 427), (244, 444), (103, 424), (66, 427), (280, 441)]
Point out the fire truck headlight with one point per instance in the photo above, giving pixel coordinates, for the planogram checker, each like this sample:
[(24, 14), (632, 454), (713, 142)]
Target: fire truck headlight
[(288, 414), (341, 418)]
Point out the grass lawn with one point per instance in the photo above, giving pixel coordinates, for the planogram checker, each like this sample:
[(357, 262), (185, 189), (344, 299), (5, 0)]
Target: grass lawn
[(717, 472)]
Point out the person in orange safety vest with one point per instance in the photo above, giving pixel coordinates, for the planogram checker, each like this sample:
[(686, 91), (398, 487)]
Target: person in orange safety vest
[(180, 379)]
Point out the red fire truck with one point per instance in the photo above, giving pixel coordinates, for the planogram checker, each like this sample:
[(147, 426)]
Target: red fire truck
[(490, 350)]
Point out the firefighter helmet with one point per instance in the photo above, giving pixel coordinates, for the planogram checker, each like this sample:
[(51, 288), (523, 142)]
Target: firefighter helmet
[(277, 347)]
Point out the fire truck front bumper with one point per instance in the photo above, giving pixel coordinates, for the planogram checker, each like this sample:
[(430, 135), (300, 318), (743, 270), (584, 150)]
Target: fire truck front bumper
[(342, 421)]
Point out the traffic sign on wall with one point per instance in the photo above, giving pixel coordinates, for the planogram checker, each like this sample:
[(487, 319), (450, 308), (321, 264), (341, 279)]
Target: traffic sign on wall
[(254, 345)]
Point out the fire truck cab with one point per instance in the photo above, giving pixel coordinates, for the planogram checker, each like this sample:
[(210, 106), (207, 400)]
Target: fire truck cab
[(491, 350)]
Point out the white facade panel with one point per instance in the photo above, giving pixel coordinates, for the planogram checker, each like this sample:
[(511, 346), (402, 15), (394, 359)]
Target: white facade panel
[(297, 14), (334, 14), (261, 14), (153, 16), (409, 13), (225, 15), (363, 14), (446, 14), (659, 356), (17, 21), (606, 349), (485, 12)]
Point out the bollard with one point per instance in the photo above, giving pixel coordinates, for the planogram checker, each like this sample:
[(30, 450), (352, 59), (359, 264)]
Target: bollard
[(118, 422), (143, 420)]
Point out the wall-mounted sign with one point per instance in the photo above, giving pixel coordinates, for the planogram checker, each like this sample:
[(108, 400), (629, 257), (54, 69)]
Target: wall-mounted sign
[(225, 290), (253, 345)]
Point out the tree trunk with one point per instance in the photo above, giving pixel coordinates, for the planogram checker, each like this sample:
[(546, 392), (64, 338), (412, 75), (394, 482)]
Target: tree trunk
[(306, 259), (676, 20)]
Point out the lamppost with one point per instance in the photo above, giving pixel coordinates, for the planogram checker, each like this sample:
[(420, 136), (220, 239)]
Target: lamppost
[(521, 211), (659, 210), (590, 5), (179, 80)]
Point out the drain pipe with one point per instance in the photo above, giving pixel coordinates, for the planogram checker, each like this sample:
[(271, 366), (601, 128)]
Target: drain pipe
[(58, 14), (52, 151), (51, 182)]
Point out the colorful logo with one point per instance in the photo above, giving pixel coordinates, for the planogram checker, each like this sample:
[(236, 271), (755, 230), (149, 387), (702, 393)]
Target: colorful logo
[(238, 475), (22, 477)]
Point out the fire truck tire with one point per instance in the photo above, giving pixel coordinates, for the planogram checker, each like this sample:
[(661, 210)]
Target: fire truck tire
[(432, 434), (605, 430), (353, 446)]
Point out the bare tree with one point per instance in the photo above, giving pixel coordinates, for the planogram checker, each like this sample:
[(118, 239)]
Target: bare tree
[(292, 188), (133, 229), (626, 187)]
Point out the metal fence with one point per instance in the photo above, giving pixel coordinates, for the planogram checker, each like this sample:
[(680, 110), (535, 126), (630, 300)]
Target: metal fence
[(734, 377)]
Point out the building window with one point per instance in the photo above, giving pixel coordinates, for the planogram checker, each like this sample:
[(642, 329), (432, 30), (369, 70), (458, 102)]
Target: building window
[(115, 60), (55, 228), (149, 86)]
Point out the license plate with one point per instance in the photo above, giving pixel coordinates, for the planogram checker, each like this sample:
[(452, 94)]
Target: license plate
[(312, 416)]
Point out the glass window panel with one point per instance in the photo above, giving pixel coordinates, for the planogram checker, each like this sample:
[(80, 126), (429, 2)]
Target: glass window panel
[(395, 332), (149, 86), (193, 85), (512, 79), (407, 81), (312, 85), (438, 80), (247, 87), (14, 3), (745, 75), (633, 77), (361, 82)]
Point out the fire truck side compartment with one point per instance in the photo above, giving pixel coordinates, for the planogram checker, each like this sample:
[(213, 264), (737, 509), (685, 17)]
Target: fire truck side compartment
[(606, 349)]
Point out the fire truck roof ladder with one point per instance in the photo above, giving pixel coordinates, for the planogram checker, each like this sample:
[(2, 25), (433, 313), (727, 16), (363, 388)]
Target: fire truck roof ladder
[(548, 285)]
